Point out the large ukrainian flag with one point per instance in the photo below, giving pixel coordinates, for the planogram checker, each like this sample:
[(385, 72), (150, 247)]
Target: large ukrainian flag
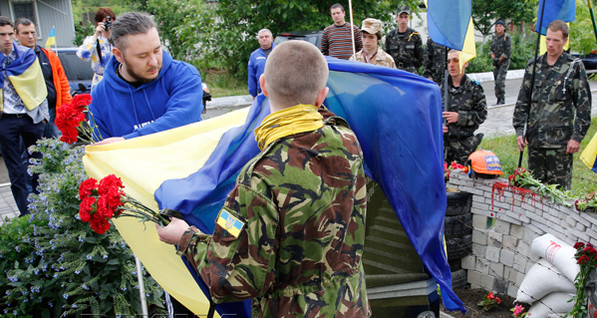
[(25, 75), (396, 116)]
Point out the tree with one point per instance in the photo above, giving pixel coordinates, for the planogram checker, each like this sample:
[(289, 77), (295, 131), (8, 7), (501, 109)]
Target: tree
[(582, 34), (485, 13), (186, 27)]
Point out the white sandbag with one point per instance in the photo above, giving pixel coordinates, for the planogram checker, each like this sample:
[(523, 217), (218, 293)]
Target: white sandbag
[(558, 253), (553, 304), (542, 278)]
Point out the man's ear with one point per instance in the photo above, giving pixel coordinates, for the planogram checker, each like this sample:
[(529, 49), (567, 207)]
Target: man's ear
[(262, 84), (323, 93), (118, 55)]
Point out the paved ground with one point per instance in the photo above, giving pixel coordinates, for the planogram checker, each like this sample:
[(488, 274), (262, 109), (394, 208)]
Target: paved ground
[(499, 122)]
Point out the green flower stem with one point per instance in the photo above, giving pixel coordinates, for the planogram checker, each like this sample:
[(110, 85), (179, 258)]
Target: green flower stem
[(136, 209)]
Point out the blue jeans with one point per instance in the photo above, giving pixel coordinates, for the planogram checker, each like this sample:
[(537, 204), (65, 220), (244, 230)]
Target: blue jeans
[(51, 130), (12, 129)]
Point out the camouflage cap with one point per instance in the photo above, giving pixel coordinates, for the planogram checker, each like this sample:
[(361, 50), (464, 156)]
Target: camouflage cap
[(403, 9), (371, 26)]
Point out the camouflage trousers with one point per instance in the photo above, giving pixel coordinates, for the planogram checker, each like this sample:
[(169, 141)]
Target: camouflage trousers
[(499, 75), (458, 149), (551, 166)]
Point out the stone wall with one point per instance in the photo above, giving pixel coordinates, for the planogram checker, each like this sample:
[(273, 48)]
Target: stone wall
[(505, 222)]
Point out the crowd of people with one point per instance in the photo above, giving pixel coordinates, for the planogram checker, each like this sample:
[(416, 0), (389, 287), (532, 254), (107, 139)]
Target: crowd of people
[(139, 89)]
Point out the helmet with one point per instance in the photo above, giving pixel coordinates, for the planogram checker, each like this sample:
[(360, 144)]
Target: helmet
[(485, 162)]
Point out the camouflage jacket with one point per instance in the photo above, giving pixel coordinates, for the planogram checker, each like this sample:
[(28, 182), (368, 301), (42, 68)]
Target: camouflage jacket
[(302, 202), (436, 57), (381, 58), (560, 108), (501, 46), (468, 100), (406, 49)]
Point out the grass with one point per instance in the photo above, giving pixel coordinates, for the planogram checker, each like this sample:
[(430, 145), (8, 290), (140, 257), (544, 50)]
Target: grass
[(221, 83), (584, 181)]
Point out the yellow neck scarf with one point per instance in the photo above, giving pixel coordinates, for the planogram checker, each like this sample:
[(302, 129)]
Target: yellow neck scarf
[(290, 121)]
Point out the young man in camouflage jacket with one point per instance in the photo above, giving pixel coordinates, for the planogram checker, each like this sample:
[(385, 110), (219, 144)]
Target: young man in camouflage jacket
[(291, 233), (466, 109), (501, 48), (558, 114), (404, 44)]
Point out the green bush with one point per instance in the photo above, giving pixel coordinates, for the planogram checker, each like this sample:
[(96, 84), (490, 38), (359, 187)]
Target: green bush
[(54, 265)]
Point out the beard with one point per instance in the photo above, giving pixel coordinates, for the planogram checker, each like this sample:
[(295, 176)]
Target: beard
[(139, 78)]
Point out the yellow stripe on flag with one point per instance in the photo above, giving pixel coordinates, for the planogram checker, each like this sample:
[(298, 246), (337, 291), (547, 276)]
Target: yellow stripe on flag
[(469, 49), (30, 85), (589, 155), (175, 153)]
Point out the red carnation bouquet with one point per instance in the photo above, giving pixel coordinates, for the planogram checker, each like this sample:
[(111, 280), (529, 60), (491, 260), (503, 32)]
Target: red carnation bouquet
[(586, 258), (104, 200), (71, 121)]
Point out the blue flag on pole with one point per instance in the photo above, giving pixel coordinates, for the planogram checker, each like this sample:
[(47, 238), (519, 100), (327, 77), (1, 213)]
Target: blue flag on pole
[(448, 21), (564, 10), (397, 117)]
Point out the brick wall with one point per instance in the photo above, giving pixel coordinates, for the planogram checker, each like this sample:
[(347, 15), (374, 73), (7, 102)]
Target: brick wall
[(505, 222)]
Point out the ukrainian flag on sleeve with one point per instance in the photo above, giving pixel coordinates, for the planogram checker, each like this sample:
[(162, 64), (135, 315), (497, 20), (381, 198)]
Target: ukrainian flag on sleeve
[(25, 75), (589, 155), (397, 117)]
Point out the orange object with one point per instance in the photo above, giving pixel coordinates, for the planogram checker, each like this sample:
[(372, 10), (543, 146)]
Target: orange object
[(485, 162)]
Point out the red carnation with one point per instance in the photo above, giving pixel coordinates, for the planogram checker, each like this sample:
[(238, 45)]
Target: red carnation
[(109, 184), (85, 208), (87, 187), (578, 245), (583, 259), (99, 225), (81, 101)]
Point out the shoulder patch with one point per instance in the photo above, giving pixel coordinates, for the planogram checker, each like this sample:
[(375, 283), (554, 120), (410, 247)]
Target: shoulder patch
[(230, 223)]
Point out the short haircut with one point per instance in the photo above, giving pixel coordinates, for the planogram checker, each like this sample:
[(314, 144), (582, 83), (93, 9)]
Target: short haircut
[(336, 6), (5, 21), (265, 30), (295, 72), (22, 21), (130, 23), (559, 25), (102, 13)]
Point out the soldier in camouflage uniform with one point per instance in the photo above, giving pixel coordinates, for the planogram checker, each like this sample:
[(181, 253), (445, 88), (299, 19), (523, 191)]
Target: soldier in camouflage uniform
[(404, 44), (558, 114), (371, 52), (436, 56), (501, 48), (465, 110), (291, 233)]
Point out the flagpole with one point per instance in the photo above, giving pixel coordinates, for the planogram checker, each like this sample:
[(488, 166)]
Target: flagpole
[(592, 18), (55, 40), (526, 119), (354, 50)]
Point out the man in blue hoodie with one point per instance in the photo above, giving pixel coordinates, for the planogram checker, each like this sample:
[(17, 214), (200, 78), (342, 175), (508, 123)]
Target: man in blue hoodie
[(144, 90)]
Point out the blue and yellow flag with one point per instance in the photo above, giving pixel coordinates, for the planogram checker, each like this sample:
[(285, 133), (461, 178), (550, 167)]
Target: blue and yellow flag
[(26, 76), (589, 155), (450, 23), (51, 39), (564, 10), (397, 117)]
